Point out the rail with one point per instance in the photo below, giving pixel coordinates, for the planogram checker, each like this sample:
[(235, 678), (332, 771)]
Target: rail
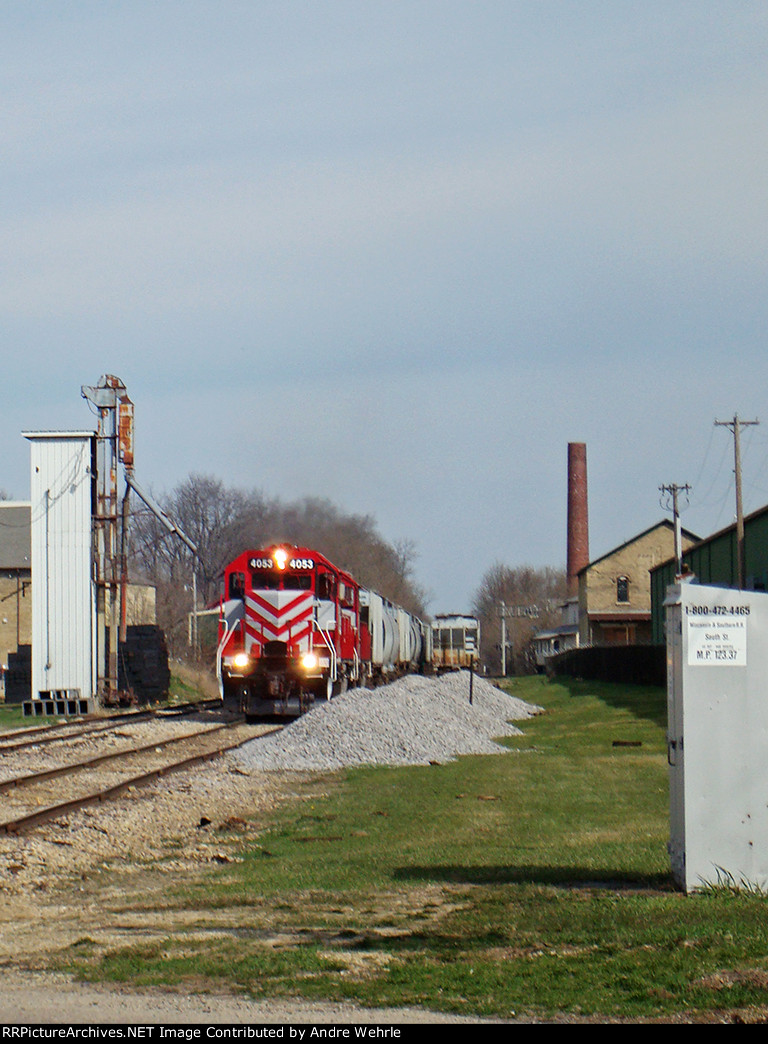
[(93, 725), (107, 793), (100, 759)]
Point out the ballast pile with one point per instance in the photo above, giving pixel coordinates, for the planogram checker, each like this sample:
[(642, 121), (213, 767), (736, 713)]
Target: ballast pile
[(415, 720)]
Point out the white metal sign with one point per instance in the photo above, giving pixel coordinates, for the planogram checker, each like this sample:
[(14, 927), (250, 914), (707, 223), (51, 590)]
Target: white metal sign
[(716, 640)]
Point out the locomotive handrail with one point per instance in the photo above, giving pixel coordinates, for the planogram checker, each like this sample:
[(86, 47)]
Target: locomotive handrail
[(228, 632), (234, 615), (332, 650)]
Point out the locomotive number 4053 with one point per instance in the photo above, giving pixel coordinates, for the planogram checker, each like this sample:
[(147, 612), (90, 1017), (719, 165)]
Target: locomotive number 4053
[(294, 563)]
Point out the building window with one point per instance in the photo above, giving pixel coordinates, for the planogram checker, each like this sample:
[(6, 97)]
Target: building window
[(622, 589)]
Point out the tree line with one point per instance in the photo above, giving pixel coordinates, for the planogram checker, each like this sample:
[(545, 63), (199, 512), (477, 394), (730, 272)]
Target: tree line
[(222, 522), (532, 599)]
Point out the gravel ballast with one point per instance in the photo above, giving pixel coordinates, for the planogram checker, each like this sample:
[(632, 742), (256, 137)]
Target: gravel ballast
[(412, 721)]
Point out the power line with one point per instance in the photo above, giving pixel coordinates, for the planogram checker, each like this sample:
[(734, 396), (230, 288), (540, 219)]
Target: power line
[(735, 426), (673, 490)]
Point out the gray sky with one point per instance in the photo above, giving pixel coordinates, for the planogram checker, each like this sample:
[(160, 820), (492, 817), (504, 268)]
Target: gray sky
[(398, 254)]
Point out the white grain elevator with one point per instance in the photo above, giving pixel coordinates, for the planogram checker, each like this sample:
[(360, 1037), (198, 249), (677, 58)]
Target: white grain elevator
[(79, 575), (63, 594)]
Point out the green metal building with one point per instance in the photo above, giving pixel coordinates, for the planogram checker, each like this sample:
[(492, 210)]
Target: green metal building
[(713, 561)]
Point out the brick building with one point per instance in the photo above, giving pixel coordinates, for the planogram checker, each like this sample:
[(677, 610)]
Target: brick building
[(615, 590), (15, 578)]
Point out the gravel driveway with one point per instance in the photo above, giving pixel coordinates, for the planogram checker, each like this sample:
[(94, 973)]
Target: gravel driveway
[(28, 998)]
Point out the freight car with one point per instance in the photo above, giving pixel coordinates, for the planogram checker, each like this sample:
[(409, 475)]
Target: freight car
[(293, 628), (455, 642)]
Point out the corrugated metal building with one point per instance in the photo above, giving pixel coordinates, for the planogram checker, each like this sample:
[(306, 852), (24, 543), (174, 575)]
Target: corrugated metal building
[(713, 561), (63, 606)]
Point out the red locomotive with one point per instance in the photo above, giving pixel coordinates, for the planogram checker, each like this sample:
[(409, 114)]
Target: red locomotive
[(294, 627)]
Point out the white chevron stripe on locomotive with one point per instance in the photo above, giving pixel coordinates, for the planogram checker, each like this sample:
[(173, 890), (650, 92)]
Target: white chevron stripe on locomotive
[(279, 615)]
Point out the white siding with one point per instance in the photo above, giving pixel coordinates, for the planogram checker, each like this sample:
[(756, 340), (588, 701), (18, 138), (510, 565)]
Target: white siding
[(63, 656)]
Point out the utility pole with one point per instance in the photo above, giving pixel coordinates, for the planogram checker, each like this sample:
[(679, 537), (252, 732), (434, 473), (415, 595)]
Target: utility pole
[(673, 490), (529, 611), (503, 640), (736, 425)]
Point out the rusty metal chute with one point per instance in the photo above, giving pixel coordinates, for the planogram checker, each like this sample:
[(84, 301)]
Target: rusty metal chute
[(114, 446)]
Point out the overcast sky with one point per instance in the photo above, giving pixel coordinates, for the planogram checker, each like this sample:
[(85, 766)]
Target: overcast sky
[(398, 254)]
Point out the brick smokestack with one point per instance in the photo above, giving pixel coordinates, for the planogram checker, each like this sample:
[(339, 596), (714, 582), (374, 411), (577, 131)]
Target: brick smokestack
[(578, 516)]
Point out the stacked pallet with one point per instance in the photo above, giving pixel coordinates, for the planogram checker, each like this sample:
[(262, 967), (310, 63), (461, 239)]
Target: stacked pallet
[(143, 667), (18, 677)]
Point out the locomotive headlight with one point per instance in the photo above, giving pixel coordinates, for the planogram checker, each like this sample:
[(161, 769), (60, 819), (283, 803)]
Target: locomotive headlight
[(281, 558), (309, 661), (241, 660)]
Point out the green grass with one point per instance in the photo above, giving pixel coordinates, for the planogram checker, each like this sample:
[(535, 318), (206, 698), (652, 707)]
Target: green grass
[(12, 717), (181, 690), (535, 882)]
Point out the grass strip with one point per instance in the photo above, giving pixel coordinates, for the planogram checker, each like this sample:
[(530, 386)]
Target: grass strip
[(533, 883)]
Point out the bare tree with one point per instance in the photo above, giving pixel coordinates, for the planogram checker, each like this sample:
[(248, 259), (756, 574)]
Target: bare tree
[(223, 522), (212, 517), (530, 599)]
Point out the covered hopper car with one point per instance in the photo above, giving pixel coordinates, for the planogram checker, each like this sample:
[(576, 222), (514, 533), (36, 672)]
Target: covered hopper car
[(293, 628), (455, 642)]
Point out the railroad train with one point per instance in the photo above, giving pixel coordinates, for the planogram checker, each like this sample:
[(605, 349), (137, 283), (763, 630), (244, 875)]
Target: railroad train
[(293, 628)]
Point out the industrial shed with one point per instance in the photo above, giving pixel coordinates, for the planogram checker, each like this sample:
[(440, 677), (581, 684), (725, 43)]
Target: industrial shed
[(714, 561)]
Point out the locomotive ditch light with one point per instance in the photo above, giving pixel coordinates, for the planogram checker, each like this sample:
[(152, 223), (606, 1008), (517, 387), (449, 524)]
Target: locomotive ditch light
[(241, 660), (309, 661)]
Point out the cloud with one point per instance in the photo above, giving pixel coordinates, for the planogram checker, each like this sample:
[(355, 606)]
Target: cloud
[(374, 250)]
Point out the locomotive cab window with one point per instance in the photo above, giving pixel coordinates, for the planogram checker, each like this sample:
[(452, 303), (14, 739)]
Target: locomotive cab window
[(261, 580), (297, 582), (326, 586), (237, 585)]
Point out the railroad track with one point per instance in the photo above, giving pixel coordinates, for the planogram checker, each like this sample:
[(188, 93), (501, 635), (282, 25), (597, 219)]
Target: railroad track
[(48, 793), (42, 735)]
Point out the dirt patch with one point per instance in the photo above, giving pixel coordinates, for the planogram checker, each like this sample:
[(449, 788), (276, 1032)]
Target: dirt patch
[(99, 879), (54, 879), (74, 878), (726, 980), (29, 998)]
